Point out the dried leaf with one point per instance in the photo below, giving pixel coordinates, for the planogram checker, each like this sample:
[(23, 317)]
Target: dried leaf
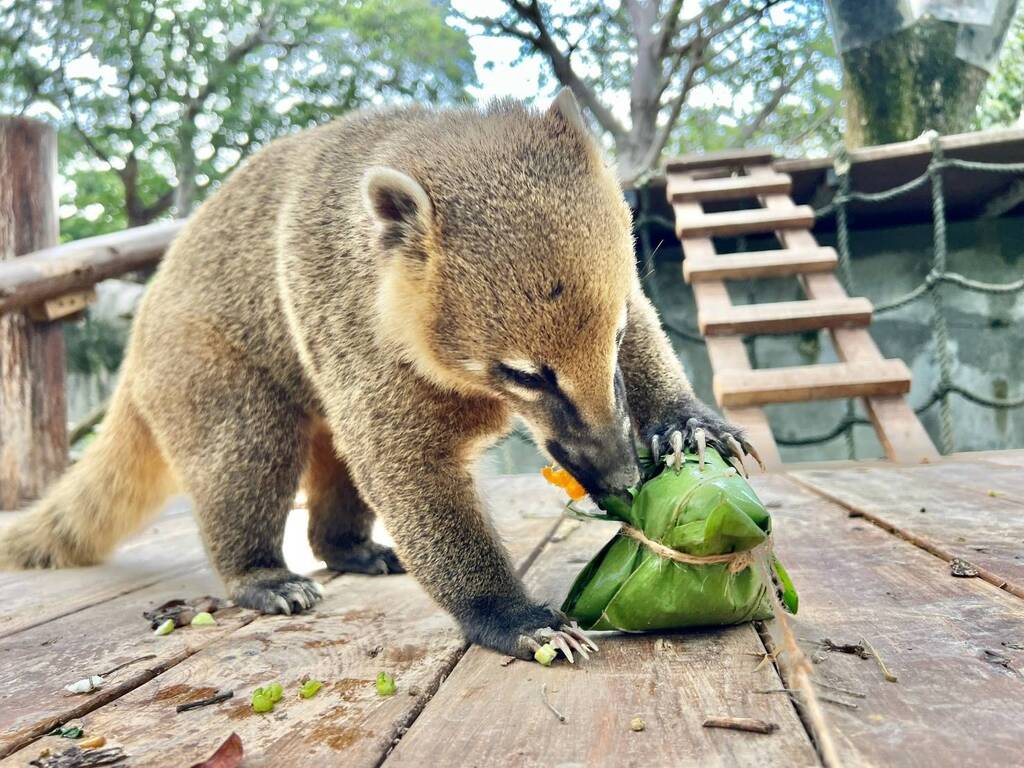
[(228, 755)]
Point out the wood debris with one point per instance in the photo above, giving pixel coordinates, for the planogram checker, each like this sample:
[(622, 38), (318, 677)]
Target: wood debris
[(962, 568), (748, 724)]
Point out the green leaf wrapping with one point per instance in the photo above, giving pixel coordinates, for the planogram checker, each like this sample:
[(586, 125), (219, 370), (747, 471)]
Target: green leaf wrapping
[(629, 587)]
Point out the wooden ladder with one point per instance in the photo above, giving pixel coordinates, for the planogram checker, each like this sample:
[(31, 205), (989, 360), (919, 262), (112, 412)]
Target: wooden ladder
[(739, 389)]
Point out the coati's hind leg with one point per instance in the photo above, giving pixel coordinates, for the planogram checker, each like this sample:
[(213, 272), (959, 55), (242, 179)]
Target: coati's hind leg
[(340, 522), (238, 443)]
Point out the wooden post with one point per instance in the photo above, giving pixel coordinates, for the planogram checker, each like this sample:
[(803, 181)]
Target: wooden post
[(33, 412)]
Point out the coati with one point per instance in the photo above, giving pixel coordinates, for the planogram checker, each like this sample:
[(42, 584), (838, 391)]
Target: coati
[(362, 308)]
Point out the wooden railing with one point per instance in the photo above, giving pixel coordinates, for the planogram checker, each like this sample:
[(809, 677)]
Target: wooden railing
[(41, 285)]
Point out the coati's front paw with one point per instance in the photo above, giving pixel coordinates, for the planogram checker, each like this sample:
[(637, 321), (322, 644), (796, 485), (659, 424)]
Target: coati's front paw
[(693, 427), (520, 630), (367, 557), (275, 590)]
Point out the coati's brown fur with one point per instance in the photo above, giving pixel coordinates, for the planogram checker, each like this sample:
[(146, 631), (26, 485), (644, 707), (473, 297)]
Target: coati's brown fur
[(364, 307)]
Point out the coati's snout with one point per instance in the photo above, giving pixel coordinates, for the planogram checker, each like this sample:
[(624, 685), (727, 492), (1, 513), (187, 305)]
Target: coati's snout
[(595, 444)]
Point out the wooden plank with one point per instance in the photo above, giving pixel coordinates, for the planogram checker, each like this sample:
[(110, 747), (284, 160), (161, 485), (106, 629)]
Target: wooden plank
[(682, 189), (903, 437), (33, 413), (956, 522), (784, 316), (51, 272), (747, 221), (810, 382), (730, 158), (986, 479), (62, 307), (364, 625), (163, 549), (41, 661), (488, 714), (741, 266), (758, 432), (932, 630), (1012, 458)]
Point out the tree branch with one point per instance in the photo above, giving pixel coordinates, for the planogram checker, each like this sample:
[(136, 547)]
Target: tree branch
[(542, 42), (773, 102)]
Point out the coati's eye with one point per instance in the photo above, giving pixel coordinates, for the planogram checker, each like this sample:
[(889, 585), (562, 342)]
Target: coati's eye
[(517, 376)]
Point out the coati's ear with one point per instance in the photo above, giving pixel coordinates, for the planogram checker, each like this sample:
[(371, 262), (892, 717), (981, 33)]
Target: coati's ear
[(398, 205), (566, 108)]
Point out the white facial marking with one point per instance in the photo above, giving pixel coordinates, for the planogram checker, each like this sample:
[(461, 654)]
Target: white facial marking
[(521, 365)]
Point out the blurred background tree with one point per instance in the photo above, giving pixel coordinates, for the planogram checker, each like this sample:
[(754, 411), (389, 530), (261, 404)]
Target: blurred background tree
[(670, 75), (158, 100)]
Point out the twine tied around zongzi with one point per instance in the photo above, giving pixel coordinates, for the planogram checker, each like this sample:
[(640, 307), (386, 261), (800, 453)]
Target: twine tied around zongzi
[(737, 561)]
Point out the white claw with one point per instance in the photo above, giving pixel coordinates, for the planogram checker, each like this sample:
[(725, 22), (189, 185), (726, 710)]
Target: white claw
[(737, 452), (283, 605), (573, 641), (701, 440), (752, 451), (575, 631), (559, 642), (655, 448), (676, 441)]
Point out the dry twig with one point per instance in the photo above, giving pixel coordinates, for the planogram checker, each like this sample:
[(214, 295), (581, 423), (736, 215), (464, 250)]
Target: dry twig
[(548, 704), (741, 724)]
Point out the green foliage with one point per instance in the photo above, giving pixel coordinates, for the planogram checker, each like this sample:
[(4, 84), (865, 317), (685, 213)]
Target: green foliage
[(1002, 104), (163, 98), (778, 86), (766, 73), (94, 344)]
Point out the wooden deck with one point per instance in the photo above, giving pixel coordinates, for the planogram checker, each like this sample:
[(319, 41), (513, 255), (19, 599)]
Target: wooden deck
[(867, 545)]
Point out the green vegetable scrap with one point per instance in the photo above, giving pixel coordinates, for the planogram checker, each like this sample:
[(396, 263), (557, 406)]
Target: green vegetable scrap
[(309, 688), (165, 628), (693, 551), (545, 654), (275, 692), (203, 619), (67, 732), (261, 701), (386, 684)]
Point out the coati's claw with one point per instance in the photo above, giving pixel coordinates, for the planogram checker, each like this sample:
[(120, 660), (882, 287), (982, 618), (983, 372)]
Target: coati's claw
[(676, 441), (568, 639), (737, 453), (560, 643), (700, 428), (277, 591), (752, 452), (574, 630), (367, 557)]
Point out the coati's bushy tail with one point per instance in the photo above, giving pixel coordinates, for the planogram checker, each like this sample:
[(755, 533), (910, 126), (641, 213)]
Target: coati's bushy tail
[(120, 480)]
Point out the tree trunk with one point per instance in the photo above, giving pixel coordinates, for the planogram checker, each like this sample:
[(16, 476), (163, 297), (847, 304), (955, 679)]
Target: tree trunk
[(33, 414), (909, 82), (185, 193)]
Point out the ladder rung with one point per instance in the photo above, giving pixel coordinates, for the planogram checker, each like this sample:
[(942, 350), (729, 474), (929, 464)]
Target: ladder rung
[(735, 389), (784, 316), (682, 189), (732, 158), (744, 222), (737, 266)]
